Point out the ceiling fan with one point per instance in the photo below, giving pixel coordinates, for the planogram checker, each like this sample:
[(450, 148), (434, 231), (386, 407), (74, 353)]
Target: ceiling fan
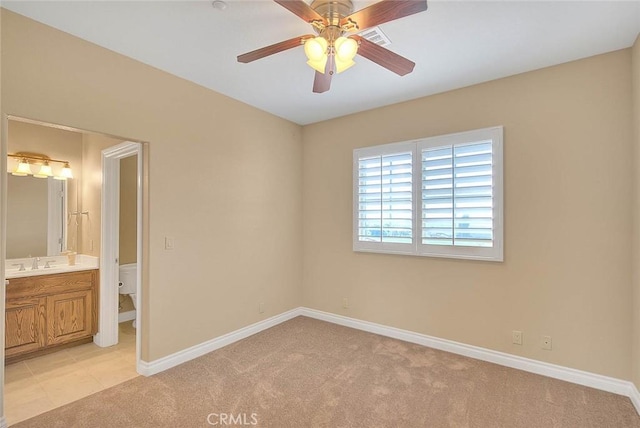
[(333, 47)]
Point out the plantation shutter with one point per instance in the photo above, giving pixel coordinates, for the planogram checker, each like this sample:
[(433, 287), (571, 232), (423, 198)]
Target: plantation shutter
[(384, 191), (457, 195)]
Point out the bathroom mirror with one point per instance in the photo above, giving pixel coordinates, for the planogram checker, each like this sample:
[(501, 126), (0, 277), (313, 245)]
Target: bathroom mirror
[(36, 212), (40, 211)]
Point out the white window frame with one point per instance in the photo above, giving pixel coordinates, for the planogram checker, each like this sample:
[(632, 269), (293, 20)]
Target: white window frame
[(494, 253)]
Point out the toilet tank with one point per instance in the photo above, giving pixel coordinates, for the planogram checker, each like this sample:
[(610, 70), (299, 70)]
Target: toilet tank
[(128, 274)]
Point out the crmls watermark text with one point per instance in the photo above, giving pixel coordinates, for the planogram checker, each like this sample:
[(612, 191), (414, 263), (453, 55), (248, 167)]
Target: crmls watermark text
[(229, 419)]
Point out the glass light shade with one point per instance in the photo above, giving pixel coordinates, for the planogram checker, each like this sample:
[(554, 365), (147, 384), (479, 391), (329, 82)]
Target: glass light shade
[(346, 49), (66, 171), (23, 169), (343, 65), (45, 171), (315, 49), (318, 65)]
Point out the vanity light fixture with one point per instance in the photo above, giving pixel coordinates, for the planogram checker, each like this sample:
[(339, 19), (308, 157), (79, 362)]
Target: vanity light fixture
[(27, 159)]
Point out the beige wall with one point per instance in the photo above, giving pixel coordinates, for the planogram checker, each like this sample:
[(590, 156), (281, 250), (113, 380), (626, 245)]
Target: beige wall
[(92, 146), (567, 270), (57, 144), (128, 209), (237, 228), (635, 82)]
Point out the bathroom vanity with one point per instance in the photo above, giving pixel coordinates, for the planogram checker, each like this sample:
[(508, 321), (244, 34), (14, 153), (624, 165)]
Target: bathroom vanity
[(49, 309)]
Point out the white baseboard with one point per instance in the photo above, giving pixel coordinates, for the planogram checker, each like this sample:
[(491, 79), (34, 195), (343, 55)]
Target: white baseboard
[(579, 377), (126, 316), (634, 395), (150, 368), (3, 422), (605, 383)]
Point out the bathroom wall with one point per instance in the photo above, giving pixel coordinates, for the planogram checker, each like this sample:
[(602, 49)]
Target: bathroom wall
[(92, 146), (128, 218), (57, 144), (128, 209)]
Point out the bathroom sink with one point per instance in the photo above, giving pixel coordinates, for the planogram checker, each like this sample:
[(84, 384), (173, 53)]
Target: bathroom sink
[(58, 264)]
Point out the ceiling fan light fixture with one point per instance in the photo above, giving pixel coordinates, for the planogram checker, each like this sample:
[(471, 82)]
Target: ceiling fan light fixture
[(315, 49), (346, 49)]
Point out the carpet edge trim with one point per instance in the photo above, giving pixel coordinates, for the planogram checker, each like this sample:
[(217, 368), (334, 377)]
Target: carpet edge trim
[(161, 364), (593, 380)]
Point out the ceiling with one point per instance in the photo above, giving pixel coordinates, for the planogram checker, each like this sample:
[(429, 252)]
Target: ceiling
[(454, 44)]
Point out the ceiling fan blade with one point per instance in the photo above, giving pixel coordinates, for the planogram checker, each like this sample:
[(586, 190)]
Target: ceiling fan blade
[(273, 49), (384, 57), (301, 9), (322, 81), (384, 11)]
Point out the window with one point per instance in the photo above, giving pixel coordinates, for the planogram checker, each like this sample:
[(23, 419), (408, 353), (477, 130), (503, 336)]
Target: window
[(439, 196)]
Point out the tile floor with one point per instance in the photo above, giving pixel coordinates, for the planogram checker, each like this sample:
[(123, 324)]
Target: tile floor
[(40, 384)]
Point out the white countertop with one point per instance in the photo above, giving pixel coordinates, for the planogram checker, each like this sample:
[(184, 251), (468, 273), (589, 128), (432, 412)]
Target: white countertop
[(59, 264)]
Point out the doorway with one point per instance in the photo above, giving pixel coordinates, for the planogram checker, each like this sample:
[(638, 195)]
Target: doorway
[(82, 233), (110, 244)]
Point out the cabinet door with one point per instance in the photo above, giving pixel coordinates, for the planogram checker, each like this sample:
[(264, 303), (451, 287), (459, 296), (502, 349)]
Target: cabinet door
[(69, 316), (24, 322)]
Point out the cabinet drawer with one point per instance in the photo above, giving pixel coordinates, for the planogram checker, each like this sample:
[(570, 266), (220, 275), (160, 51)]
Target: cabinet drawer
[(43, 285)]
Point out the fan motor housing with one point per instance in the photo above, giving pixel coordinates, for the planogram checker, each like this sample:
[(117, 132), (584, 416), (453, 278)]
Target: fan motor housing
[(333, 10)]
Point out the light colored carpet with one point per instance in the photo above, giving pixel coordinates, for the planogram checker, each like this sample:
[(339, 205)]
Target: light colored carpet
[(308, 373)]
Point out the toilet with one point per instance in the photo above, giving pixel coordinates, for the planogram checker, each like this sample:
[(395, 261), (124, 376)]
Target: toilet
[(127, 283)]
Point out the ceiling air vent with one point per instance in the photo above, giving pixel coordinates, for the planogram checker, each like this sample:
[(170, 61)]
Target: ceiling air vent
[(375, 35)]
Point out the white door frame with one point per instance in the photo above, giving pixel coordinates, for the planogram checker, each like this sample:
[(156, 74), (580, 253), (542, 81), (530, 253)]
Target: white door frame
[(109, 245)]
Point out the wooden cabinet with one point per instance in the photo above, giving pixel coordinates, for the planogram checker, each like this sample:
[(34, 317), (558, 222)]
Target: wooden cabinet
[(48, 311), (24, 322)]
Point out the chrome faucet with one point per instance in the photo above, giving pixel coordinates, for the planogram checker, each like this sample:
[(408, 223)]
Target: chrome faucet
[(21, 266), (34, 266)]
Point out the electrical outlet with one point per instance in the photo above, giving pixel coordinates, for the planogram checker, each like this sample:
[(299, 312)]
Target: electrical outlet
[(546, 343), (345, 303), (261, 307), (516, 337)]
